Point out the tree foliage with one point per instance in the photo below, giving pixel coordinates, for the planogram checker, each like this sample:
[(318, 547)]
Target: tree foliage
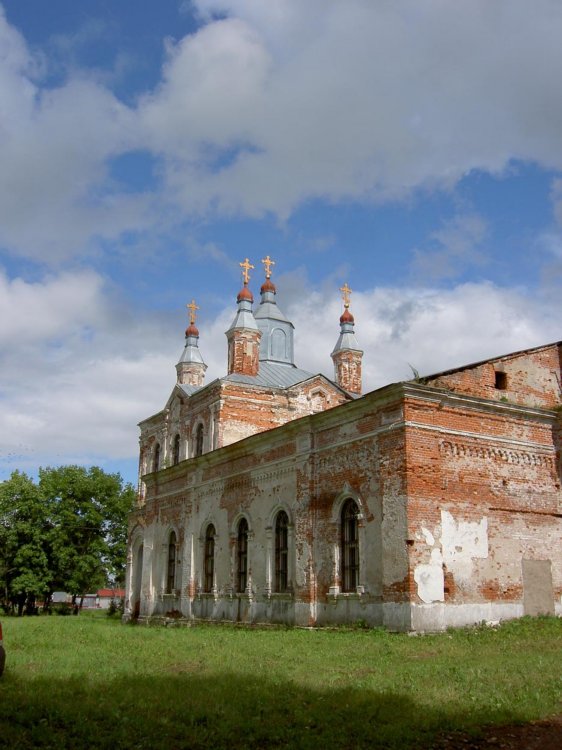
[(66, 532)]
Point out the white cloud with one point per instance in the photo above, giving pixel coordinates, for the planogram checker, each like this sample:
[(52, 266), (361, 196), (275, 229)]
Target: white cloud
[(55, 195), (275, 104), (431, 329), (356, 99), (78, 371)]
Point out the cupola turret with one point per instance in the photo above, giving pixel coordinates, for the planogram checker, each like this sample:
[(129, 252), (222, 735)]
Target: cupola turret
[(347, 355), (244, 336), (191, 368), (276, 331)]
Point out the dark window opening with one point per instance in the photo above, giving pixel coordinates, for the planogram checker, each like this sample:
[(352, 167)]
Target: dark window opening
[(176, 451), (209, 558), (156, 459), (501, 380), (242, 567), (350, 546), (171, 577), (281, 552), (199, 441)]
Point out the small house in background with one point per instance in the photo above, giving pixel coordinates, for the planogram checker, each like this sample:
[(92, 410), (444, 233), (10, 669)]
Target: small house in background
[(61, 597), (105, 596)]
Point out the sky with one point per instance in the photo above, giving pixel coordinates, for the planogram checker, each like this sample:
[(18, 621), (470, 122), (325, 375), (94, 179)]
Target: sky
[(412, 150)]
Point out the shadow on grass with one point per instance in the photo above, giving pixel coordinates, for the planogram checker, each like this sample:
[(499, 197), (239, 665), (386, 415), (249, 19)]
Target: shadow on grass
[(187, 709)]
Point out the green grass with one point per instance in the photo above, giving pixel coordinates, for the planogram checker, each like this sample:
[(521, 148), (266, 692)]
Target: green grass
[(90, 682)]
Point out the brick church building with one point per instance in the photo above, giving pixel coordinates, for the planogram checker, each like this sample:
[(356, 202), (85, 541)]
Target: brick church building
[(277, 495)]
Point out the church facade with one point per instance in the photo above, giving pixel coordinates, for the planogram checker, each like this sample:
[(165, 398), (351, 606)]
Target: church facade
[(278, 495)]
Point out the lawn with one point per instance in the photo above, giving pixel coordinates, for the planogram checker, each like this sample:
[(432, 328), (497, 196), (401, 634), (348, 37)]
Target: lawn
[(90, 682)]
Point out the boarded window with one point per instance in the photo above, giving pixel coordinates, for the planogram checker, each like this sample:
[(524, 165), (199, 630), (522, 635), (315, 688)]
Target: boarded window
[(350, 546), (281, 552), (538, 592), (278, 344), (242, 555)]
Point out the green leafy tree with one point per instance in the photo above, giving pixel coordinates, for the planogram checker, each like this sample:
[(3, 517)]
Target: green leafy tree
[(89, 510), (67, 532), (25, 532)]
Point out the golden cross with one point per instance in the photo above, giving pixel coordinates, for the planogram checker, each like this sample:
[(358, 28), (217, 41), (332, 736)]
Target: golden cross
[(246, 268), (192, 314), (268, 263), (346, 292)]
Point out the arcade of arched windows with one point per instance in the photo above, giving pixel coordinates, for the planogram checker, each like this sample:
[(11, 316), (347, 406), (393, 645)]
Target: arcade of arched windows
[(282, 551)]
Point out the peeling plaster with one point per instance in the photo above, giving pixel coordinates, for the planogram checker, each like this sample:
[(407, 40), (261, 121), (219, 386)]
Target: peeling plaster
[(459, 544), (431, 584)]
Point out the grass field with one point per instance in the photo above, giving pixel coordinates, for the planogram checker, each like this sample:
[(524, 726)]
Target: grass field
[(90, 682)]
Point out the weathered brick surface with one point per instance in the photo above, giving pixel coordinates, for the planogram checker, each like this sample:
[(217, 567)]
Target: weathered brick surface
[(532, 378), (347, 365), (455, 490)]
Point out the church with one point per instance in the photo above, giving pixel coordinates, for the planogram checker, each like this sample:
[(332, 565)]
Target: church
[(276, 495)]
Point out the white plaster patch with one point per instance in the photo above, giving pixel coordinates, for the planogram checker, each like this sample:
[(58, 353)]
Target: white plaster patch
[(462, 542), (428, 536), (431, 583)]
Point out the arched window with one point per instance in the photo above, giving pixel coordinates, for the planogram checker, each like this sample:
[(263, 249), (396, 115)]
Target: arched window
[(281, 552), (278, 344), (349, 546), (172, 559), (209, 568), (242, 555), (199, 440), (156, 458), (176, 451)]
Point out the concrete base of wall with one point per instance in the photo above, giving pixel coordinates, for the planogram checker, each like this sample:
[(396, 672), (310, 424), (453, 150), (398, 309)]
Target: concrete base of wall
[(342, 610), (436, 617)]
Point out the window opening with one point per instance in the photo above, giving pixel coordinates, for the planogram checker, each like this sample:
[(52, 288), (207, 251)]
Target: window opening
[(199, 441), (350, 546), (501, 380), (281, 551), (176, 452), (209, 557), (156, 459), (242, 567), (172, 550)]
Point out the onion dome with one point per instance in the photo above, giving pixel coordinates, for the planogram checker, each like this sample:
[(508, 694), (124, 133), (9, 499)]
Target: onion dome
[(268, 286), (346, 340), (245, 295), (347, 317)]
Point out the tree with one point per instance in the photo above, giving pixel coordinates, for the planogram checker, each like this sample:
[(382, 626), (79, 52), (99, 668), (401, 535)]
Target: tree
[(25, 531), (89, 510), (67, 532)]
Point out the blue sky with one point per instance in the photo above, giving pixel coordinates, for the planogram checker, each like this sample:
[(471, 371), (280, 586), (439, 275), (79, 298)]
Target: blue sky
[(411, 149)]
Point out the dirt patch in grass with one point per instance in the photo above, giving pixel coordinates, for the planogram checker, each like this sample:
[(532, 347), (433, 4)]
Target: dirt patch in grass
[(536, 735)]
